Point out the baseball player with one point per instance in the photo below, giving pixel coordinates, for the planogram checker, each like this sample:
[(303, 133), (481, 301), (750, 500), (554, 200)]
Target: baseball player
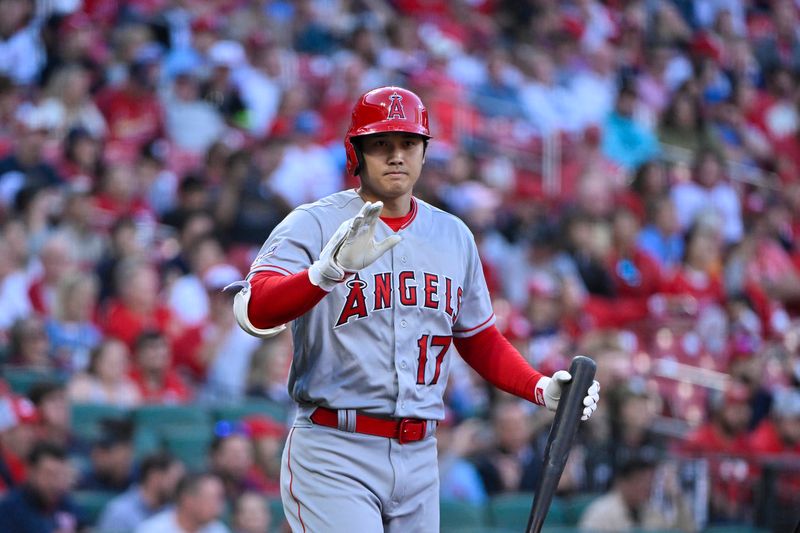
[(382, 288)]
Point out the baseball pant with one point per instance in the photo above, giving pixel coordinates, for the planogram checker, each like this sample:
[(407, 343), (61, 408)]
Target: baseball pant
[(335, 481)]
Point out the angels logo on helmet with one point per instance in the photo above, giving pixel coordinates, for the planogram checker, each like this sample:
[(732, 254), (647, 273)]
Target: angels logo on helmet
[(396, 107)]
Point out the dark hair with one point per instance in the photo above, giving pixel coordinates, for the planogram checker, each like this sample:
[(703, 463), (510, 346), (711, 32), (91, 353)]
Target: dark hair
[(43, 450), (191, 482), (156, 462), (631, 466), (97, 353), (147, 337), (113, 432), (41, 390)]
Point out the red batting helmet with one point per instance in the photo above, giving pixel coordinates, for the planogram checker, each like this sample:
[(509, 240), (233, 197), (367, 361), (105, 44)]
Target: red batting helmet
[(382, 110)]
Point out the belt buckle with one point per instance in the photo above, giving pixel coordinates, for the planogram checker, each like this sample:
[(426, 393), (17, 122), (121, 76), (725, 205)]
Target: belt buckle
[(412, 430)]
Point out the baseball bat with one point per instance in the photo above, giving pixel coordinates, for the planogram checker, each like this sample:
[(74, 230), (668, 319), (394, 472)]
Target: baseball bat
[(559, 442)]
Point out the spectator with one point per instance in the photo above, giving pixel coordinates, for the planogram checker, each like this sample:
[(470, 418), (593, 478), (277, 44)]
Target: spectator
[(124, 245), (69, 100), (199, 503), (700, 276), (626, 141), (21, 54), (120, 194), (188, 298), (30, 346), (268, 438), (232, 459), (683, 126), (26, 165), (249, 205), (220, 89), (192, 123), (224, 351), (512, 464), (106, 379), (251, 514), (269, 372), (709, 193), (18, 427), (111, 458), (132, 111), (307, 169), (71, 329), (632, 412), (76, 226), (459, 480), (193, 197), (14, 302), (57, 263), (724, 442), (157, 381), (661, 237), (50, 399), (137, 307), (42, 504), (628, 506), (781, 433), (159, 475)]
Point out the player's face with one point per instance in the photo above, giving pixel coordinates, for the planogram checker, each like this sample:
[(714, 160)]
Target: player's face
[(393, 163)]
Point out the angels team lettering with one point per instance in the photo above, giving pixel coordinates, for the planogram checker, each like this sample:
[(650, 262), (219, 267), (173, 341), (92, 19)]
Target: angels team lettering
[(412, 289)]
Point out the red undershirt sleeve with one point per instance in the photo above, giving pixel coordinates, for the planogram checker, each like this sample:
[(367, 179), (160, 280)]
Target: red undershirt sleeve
[(499, 363), (276, 299)]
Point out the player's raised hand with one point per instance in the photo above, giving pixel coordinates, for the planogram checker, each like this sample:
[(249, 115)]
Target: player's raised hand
[(352, 248), (551, 388)]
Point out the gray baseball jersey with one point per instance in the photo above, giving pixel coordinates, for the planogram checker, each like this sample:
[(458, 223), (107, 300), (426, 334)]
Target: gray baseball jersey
[(381, 342)]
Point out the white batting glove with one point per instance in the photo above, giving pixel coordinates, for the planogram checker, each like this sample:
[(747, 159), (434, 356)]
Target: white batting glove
[(352, 248), (548, 391)]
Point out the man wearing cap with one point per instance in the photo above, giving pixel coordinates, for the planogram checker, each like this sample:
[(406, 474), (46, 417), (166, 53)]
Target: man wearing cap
[(18, 419)]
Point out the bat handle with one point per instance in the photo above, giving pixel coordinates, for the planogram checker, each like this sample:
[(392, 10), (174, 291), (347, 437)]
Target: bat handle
[(562, 434)]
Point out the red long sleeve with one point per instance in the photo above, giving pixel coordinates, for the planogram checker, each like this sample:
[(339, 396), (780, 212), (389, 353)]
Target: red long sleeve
[(499, 363), (276, 299)]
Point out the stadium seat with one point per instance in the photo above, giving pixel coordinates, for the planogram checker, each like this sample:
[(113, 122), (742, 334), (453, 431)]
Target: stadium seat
[(250, 407), (190, 446), (278, 518), (145, 441), (734, 529), (21, 380), (86, 418), (575, 506), (171, 416), (455, 514), (90, 503), (512, 511)]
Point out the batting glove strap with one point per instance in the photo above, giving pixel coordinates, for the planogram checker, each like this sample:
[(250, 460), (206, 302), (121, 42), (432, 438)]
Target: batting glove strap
[(240, 303)]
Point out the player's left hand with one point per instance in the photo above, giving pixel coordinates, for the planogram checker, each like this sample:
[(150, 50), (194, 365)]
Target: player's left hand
[(352, 248), (551, 388)]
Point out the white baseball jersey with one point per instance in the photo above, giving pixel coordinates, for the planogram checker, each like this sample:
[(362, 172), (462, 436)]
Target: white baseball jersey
[(381, 342)]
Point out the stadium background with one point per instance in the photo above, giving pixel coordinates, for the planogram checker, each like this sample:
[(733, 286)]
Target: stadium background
[(629, 169)]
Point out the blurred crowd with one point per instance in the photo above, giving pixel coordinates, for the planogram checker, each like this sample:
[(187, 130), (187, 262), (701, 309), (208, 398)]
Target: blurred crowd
[(629, 169)]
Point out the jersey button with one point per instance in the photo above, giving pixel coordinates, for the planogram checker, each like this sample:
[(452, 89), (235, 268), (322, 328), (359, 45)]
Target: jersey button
[(403, 364), (404, 259), (403, 323)]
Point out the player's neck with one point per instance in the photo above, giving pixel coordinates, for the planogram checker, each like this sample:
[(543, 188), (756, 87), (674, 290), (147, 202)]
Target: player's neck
[(392, 207)]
